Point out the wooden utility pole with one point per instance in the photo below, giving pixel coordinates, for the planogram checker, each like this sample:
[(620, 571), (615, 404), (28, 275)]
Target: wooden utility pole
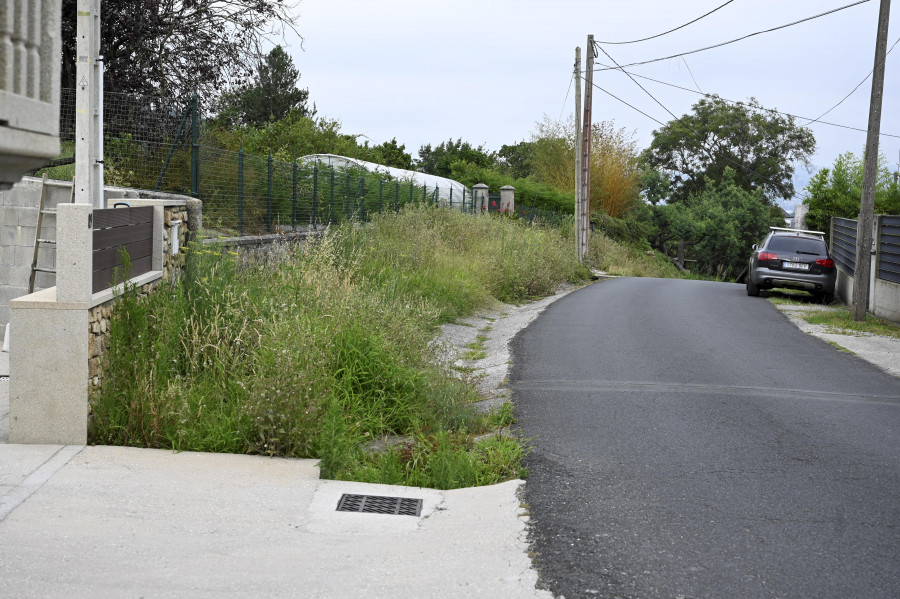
[(579, 202), (867, 203), (586, 129)]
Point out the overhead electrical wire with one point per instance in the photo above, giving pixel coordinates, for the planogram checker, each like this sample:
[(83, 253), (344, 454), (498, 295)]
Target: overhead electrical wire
[(736, 163), (707, 94), (866, 78), (670, 30), (572, 80), (633, 64)]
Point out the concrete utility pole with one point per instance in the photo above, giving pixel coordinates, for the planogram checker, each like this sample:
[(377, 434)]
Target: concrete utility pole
[(586, 130), (867, 203), (579, 201), (89, 106)]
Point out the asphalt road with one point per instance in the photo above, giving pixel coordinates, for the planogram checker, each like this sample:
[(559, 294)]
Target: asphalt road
[(688, 441)]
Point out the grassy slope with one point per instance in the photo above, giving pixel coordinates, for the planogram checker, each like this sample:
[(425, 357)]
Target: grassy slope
[(315, 351)]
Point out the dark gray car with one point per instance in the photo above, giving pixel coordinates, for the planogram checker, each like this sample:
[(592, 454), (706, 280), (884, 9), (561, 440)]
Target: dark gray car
[(793, 259)]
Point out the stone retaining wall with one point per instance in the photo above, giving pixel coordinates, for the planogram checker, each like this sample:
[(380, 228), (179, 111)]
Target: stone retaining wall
[(99, 315)]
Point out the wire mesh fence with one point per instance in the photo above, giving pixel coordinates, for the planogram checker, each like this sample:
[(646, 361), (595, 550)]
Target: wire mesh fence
[(157, 144)]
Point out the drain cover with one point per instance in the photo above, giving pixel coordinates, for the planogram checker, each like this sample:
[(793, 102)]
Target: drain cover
[(373, 504), (4, 379)]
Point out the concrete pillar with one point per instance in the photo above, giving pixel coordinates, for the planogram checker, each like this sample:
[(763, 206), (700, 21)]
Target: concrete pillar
[(74, 245), (51, 327), (508, 199), (481, 192)]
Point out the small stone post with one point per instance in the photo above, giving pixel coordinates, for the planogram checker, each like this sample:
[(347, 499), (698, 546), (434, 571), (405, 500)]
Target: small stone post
[(508, 200), (481, 192)]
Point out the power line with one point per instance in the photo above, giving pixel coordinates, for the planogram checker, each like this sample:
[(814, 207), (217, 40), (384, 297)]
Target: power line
[(670, 30), (866, 78), (567, 97), (632, 64), (696, 135), (636, 81), (629, 105), (693, 91)]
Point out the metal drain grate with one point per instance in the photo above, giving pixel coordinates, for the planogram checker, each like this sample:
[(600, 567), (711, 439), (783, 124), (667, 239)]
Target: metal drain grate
[(4, 379), (373, 504)]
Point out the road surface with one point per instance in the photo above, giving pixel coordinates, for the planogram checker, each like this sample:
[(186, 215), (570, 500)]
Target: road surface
[(688, 441)]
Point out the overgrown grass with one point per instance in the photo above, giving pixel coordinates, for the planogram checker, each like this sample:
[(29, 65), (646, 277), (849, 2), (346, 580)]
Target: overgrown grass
[(841, 320), (316, 350), (610, 256)]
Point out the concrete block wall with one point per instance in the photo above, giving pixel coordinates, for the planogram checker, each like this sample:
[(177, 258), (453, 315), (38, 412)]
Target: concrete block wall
[(18, 225)]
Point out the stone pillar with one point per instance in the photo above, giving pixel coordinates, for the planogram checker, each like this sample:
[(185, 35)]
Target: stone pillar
[(508, 199), (481, 193), (48, 355)]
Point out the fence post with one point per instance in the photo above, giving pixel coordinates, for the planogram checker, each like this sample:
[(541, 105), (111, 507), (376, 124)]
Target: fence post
[(361, 198), (347, 195), (380, 195), (195, 149), (411, 192), (508, 200), (396, 196), (315, 203), (331, 209), (480, 198), (241, 190), (269, 194), (294, 195), (424, 193)]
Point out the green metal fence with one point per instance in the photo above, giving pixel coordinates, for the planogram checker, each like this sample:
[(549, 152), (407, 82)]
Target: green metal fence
[(157, 144)]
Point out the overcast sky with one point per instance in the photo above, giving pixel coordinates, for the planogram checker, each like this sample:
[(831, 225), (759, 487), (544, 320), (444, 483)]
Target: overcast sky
[(487, 71)]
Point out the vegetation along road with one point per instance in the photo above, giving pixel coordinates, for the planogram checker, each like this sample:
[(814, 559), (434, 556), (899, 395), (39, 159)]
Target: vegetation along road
[(690, 442)]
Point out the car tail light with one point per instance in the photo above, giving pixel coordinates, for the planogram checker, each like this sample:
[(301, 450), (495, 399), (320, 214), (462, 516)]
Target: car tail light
[(826, 262), (768, 256)]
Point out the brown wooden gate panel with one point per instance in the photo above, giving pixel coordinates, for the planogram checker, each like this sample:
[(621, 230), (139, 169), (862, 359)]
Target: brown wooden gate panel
[(116, 228)]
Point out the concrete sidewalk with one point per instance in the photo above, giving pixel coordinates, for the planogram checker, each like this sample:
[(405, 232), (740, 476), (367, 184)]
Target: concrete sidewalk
[(114, 522)]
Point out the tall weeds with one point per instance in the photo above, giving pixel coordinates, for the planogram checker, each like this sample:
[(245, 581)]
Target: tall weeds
[(315, 350)]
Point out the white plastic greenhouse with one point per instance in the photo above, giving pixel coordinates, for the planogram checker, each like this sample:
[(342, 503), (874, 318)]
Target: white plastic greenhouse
[(449, 191)]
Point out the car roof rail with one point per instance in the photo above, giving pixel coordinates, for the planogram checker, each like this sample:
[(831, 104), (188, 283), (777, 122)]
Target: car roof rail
[(822, 233)]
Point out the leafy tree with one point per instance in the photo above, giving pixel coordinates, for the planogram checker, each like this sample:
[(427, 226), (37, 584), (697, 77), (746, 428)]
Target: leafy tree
[(272, 95), (615, 171), (171, 47), (390, 153), (760, 146), (838, 191), (515, 159), (439, 160), (716, 226)]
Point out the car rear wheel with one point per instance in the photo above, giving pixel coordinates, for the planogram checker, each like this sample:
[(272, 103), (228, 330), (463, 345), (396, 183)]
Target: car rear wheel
[(752, 289)]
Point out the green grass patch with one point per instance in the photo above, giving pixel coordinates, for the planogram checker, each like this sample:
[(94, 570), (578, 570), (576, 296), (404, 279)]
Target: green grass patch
[(841, 321), (612, 257), (315, 350)]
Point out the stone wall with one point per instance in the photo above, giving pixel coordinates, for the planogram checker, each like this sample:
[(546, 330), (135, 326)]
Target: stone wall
[(99, 315), (18, 228)]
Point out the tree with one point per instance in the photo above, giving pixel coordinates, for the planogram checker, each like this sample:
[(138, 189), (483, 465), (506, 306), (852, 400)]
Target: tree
[(717, 226), (759, 145), (171, 47), (837, 191), (439, 160), (615, 170), (272, 95), (515, 159), (390, 153)]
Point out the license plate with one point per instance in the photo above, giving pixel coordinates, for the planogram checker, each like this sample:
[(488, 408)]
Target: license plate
[(795, 265)]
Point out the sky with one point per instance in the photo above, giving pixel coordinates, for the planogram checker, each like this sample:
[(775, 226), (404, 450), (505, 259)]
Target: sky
[(487, 71)]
